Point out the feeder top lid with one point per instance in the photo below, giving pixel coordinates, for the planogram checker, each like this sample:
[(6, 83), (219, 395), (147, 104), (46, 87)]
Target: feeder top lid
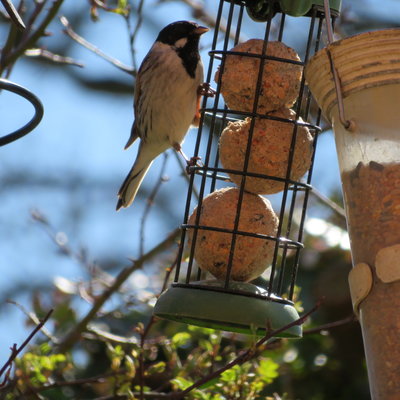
[(262, 10), (362, 61)]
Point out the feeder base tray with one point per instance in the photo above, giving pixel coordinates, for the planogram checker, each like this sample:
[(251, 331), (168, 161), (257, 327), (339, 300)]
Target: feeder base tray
[(244, 308)]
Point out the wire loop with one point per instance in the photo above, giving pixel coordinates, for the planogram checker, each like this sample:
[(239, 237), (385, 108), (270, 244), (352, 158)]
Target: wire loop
[(33, 123)]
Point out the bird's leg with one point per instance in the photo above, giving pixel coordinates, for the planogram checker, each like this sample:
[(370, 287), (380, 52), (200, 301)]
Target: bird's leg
[(203, 89), (190, 162)]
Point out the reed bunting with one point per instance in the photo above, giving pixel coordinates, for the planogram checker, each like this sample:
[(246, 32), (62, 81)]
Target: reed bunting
[(167, 99)]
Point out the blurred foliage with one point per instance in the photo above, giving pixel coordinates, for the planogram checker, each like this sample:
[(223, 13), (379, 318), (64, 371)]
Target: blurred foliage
[(123, 353)]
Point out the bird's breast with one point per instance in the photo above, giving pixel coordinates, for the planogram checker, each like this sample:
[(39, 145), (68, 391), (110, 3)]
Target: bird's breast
[(169, 98)]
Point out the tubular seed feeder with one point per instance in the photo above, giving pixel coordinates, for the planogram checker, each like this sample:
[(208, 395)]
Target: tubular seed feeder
[(232, 233), (364, 112)]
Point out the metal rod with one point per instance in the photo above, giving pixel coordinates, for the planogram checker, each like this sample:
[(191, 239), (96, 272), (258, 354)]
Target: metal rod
[(25, 93), (348, 124)]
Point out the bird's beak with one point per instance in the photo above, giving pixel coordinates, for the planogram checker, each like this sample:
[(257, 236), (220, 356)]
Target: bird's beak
[(200, 30)]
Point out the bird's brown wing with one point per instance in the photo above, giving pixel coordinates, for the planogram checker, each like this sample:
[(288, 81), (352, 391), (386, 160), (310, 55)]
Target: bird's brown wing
[(147, 63), (134, 135), (134, 131)]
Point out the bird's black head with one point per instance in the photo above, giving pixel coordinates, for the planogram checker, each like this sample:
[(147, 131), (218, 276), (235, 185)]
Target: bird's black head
[(177, 33)]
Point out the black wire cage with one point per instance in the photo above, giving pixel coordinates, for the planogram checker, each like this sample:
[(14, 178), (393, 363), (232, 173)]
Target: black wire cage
[(235, 301)]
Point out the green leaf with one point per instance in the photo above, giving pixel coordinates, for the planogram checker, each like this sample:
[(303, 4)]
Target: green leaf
[(229, 375), (215, 338), (156, 368), (206, 345), (45, 363), (199, 329), (181, 383), (267, 370), (125, 389), (45, 348), (130, 366), (180, 339), (200, 395), (58, 358), (209, 383)]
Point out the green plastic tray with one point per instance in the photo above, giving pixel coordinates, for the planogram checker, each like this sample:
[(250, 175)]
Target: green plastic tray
[(228, 311)]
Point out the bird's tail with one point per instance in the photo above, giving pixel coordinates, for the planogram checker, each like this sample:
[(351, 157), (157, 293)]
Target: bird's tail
[(131, 184)]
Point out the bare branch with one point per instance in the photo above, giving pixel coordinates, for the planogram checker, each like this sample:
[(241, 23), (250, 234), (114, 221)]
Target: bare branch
[(16, 350), (13, 14), (34, 318), (30, 40), (70, 339), (80, 382), (183, 167), (328, 202), (150, 202), (244, 356), (133, 32), (61, 241), (200, 14), (331, 325), (109, 337), (55, 58), (83, 42)]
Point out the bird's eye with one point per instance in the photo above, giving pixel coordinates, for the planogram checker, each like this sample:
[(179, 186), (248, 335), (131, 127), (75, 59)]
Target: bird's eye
[(181, 42)]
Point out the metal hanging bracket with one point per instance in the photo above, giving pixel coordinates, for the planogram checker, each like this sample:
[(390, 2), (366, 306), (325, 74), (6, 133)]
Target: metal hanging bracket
[(261, 10), (348, 124), (25, 93)]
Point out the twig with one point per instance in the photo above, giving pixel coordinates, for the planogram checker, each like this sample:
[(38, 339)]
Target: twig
[(328, 202), (133, 33), (62, 245), (109, 337), (79, 382), (147, 395), (70, 339), (150, 201), (55, 58), (15, 351), (168, 273), (331, 325), (83, 42), (147, 328), (183, 167), (245, 356), (33, 317), (31, 40), (39, 5), (200, 14), (13, 14)]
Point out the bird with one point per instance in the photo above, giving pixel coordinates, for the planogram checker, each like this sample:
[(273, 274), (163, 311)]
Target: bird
[(168, 89)]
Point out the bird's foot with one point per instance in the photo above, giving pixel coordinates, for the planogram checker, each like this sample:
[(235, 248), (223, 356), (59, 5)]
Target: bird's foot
[(190, 162), (205, 89), (193, 162)]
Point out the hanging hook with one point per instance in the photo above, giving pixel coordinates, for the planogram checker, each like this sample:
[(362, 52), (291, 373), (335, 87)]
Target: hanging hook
[(348, 124), (25, 93)]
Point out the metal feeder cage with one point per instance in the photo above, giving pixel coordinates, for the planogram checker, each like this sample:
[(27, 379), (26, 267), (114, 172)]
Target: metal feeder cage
[(264, 304)]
